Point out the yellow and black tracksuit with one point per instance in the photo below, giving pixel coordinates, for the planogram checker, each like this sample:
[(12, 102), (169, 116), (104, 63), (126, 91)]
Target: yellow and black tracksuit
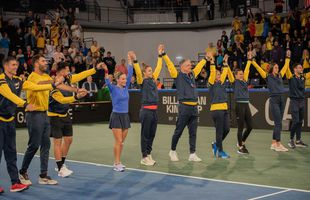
[(297, 103), (10, 89), (149, 100), (242, 100), (276, 93), (219, 106), (188, 100), (59, 103)]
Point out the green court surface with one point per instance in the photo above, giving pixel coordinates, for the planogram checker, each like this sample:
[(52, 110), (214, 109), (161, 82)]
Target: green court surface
[(94, 143)]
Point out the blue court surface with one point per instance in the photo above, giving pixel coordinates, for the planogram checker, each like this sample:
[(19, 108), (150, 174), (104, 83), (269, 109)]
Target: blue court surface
[(96, 181)]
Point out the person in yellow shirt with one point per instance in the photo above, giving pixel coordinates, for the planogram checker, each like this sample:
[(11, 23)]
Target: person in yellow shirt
[(40, 41), (38, 122), (285, 27), (211, 49), (239, 37), (275, 18), (188, 100), (149, 100), (269, 41), (306, 67), (236, 24)]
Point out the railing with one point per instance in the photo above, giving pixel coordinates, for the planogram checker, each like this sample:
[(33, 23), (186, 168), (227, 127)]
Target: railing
[(128, 15)]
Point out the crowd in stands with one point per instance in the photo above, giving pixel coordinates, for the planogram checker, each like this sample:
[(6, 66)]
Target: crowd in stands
[(268, 38)]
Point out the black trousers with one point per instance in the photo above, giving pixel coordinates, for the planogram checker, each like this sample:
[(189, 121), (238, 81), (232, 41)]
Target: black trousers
[(148, 119), (297, 112), (8, 146), (39, 137), (277, 110), (187, 116), (221, 122), (243, 114), (194, 13)]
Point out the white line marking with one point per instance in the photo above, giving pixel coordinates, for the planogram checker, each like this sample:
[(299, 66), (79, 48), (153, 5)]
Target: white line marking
[(184, 176), (269, 195)]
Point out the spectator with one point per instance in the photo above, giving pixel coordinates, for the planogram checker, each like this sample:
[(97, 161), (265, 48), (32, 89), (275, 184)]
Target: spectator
[(84, 50), (275, 19), (5, 45), (194, 10), (91, 88), (40, 41), (65, 36), (29, 38), (239, 37), (133, 83), (277, 53), (72, 50), (94, 47), (110, 62), (24, 70), (159, 84), (20, 57), (210, 8), (29, 19), (202, 79), (236, 24), (293, 4), (53, 70), (297, 51), (211, 49), (76, 30), (179, 11), (122, 67), (279, 6), (88, 59), (58, 55), (224, 39), (55, 33), (50, 49), (285, 27)]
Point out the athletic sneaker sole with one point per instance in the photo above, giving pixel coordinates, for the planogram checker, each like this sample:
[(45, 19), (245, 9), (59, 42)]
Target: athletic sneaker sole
[(302, 146), (19, 190), (241, 153)]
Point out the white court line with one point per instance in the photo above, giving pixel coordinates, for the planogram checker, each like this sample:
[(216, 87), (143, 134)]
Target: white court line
[(185, 176), (269, 195)]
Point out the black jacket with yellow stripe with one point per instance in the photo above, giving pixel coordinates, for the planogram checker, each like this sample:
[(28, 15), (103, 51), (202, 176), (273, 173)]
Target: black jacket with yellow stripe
[(59, 100), (10, 90)]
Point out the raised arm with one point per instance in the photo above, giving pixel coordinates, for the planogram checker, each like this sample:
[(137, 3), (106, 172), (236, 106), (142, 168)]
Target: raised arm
[(288, 73), (171, 68), (247, 70), (229, 72), (137, 68), (131, 58), (80, 76), (212, 76), (159, 65), (224, 74), (259, 69), (285, 67), (197, 69)]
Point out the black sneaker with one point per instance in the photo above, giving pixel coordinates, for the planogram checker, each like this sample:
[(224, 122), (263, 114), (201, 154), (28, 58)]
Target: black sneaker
[(242, 150), (300, 143), (245, 149), (291, 144)]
